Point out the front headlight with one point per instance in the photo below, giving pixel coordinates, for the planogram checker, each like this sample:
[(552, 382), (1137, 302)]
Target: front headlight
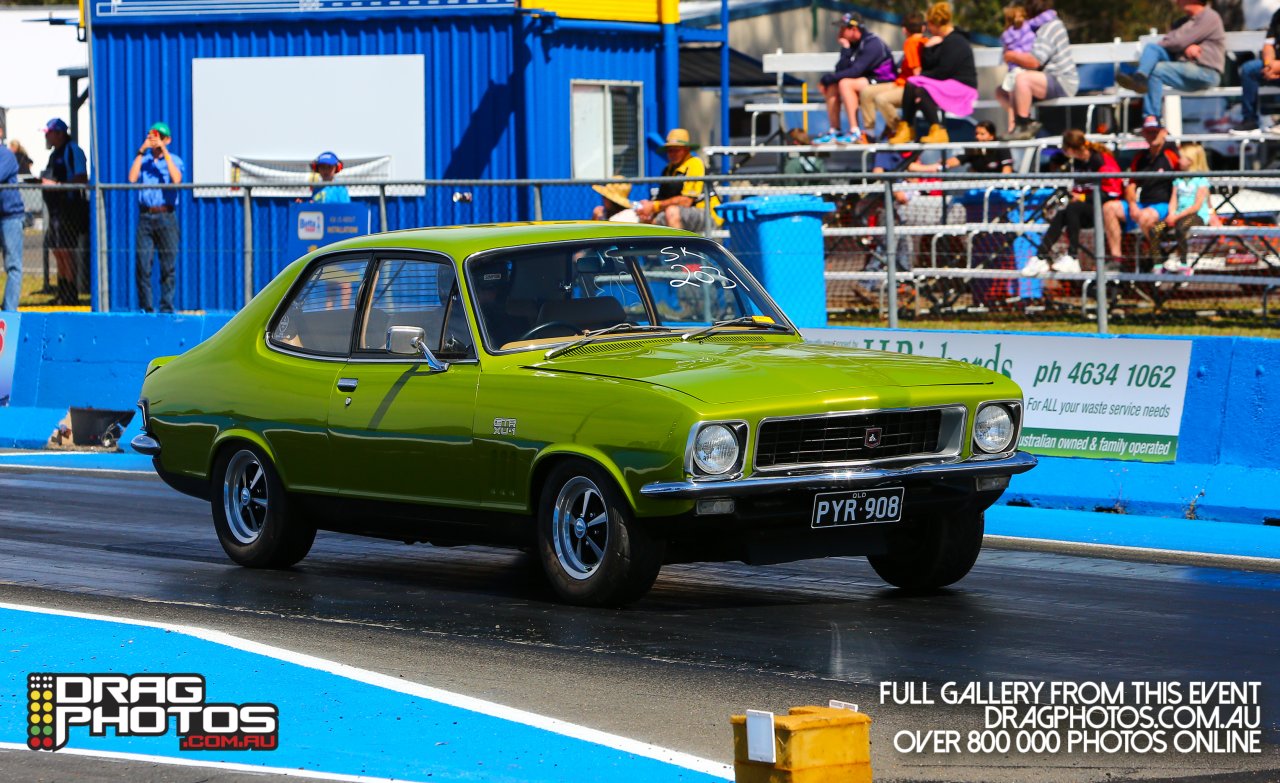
[(715, 449), (993, 429)]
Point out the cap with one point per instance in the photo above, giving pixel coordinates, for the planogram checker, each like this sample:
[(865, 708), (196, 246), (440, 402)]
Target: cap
[(1152, 124), (328, 159), (162, 128), (678, 137), (55, 124), (850, 19)]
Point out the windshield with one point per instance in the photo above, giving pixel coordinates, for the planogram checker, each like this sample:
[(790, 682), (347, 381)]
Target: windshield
[(548, 294)]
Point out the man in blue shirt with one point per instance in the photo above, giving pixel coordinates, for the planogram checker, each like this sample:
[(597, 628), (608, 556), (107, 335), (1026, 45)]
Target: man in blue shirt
[(11, 215), (157, 218), (327, 165), (67, 235)]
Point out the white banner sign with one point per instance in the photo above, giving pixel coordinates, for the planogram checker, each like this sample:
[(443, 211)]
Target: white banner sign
[(1085, 396), (8, 353)]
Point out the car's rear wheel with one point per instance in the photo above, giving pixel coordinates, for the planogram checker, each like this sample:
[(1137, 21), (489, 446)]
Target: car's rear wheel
[(931, 553), (591, 547), (251, 512)]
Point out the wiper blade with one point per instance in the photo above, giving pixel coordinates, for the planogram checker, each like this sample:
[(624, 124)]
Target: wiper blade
[(756, 321), (615, 329)]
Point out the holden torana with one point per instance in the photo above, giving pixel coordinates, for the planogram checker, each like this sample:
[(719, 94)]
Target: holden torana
[(611, 397)]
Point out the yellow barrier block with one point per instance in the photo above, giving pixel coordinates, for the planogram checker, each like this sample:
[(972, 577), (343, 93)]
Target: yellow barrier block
[(650, 11), (758, 772), (811, 745)]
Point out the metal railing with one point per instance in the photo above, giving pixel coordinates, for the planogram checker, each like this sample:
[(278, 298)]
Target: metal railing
[(953, 251)]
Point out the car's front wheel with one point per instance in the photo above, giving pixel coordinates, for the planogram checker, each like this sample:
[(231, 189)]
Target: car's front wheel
[(591, 547), (931, 553), (251, 512)]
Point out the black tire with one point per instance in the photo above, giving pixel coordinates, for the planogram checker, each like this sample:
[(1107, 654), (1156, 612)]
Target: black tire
[(252, 514), (931, 553), (610, 563)]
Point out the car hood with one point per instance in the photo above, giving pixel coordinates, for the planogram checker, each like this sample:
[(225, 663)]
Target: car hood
[(718, 372)]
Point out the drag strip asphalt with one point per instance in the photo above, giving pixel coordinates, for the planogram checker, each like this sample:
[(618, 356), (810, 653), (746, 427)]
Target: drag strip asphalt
[(709, 641)]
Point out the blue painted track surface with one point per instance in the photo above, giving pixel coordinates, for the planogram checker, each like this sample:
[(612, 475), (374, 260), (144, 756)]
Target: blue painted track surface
[(328, 722), (78, 460), (1129, 530)]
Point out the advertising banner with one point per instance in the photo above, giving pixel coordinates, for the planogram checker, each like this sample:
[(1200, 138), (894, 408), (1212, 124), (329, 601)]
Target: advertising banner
[(8, 353), (316, 225), (1085, 397)]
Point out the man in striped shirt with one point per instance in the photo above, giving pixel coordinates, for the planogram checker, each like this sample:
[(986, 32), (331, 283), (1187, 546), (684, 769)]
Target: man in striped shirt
[(1048, 71)]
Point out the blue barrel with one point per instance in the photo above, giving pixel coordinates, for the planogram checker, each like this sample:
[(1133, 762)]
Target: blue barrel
[(779, 238)]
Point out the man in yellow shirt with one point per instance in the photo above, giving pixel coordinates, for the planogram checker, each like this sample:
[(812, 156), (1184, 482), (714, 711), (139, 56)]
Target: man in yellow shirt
[(680, 204)]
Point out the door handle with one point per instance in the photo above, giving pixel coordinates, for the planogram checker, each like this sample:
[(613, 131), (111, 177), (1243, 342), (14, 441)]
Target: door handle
[(347, 384)]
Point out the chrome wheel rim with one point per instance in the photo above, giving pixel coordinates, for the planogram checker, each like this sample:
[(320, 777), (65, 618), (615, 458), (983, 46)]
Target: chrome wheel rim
[(580, 527), (244, 497)]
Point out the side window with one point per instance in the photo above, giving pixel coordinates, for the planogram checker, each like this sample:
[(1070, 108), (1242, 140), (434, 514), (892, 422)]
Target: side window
[(421, 293), (322, 312), (606, 129)]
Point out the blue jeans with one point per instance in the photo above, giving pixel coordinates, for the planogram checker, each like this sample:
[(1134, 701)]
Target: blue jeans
[(11, 241), (157, 234), (1250, 80), (1160, 69)]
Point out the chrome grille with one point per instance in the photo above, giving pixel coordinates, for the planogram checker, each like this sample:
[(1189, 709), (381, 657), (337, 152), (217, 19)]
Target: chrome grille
[(820, 440)]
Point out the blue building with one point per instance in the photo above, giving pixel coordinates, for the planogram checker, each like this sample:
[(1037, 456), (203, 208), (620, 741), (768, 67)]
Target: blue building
[(406, 89)]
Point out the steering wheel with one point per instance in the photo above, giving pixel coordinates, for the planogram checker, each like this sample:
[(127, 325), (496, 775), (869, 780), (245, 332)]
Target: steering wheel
[(546, 327)]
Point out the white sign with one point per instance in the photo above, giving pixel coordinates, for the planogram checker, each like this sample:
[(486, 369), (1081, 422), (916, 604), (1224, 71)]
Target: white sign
[(1085, 396), (8, 353)]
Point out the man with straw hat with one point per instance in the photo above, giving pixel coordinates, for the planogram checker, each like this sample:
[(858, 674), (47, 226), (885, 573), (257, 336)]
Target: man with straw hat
[(680, 204), (615, 205)]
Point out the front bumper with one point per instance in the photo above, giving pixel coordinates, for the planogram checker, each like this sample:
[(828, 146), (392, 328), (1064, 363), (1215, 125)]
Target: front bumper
[(851, 478), (145, 444)]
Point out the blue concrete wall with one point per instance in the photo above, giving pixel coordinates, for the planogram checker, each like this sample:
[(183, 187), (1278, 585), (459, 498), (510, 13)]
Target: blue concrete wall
[(1228, 450)]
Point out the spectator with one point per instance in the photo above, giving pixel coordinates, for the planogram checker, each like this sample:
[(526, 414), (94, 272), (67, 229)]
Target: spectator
[(24, 160), (67, 235), (1077, 213), (984, 160), (1257, 72), (886, 97), (677, 204), (865, 60), (801, 163), (1188, 206), (326, 166), (157, 218), (1017, 37), (12, 213), (1048, 71), (1189, 57), (948, 80), (1146, 203), (615, 203)]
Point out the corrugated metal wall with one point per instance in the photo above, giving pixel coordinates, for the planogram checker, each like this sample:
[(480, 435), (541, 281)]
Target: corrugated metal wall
[(478, 72)]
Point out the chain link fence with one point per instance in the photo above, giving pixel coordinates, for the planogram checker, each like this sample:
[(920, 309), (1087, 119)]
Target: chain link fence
[(954, 247)]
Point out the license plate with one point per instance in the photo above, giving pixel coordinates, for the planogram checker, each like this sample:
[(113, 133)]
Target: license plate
[(857, 507)]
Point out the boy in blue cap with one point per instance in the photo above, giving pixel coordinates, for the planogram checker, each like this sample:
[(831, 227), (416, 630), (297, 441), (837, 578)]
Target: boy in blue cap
[(327, 165)]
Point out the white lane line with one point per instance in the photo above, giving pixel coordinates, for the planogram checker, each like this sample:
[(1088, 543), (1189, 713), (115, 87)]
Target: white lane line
[(1174, 556), (71, 469), (492, 709), (229, 766)]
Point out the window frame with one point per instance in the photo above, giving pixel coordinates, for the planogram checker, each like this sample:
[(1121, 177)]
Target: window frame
[(380, 355), (295, 290), (605, 84)]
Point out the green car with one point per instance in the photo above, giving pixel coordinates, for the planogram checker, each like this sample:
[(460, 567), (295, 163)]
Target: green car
[(613, 397)]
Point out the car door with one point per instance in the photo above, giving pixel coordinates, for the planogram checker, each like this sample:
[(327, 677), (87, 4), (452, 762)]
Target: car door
[(400, 430), (310, 341)]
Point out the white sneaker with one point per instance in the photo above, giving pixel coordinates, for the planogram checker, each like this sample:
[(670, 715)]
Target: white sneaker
[(1066, 263), (1036, 267), (1177, 267)]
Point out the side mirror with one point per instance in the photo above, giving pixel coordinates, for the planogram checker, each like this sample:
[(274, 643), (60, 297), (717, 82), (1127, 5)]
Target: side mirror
[(412, 341)]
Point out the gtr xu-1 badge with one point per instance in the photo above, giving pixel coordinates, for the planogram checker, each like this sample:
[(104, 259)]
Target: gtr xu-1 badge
[(504, 426)]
